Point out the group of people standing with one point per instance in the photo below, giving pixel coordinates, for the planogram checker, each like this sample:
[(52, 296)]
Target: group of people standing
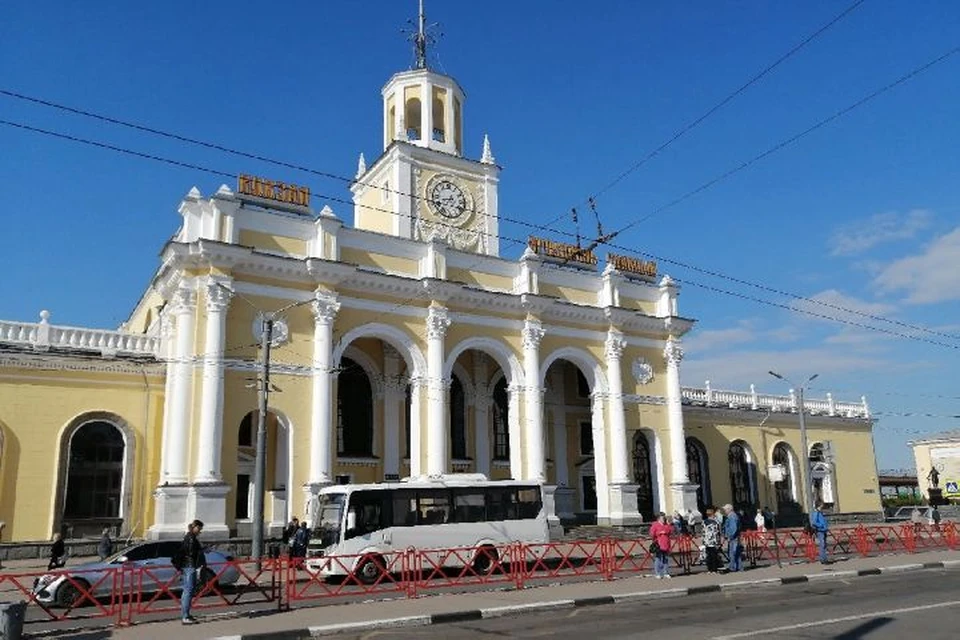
[(723, 526)]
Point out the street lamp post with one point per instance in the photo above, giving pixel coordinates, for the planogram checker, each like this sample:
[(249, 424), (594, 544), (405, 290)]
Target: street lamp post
[(807, 471)]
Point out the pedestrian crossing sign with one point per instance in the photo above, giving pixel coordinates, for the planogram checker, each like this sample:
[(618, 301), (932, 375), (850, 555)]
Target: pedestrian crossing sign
[(951, 489)]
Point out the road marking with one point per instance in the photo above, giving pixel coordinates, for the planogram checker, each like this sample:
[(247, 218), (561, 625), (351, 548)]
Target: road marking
[(820, 623)]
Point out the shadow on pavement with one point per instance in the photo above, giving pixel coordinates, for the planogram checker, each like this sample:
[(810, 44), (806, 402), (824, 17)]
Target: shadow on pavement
[(860, 631)]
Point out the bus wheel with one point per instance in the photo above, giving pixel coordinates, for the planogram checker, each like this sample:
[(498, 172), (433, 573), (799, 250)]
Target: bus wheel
[(485, 560), (370, 568)]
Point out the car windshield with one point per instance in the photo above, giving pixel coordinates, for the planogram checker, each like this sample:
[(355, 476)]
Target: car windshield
[(120, 554), (330, 514)]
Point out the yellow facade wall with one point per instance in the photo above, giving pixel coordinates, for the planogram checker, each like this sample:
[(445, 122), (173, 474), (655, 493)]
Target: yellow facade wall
[(389, 264), (39, 410), (273, 243)]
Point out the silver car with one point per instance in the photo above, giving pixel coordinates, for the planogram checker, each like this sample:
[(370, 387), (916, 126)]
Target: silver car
[(144, 567)]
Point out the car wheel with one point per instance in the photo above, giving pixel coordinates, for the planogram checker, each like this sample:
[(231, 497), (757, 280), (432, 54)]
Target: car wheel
[(369, 569), (69, 595)]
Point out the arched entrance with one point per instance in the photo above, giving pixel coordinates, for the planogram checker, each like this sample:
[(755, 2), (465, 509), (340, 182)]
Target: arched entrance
[(823, 486), (276, 473), (743, 485), (786, 489), (354, 417), (698, 468), (643, 476), (95, 482)]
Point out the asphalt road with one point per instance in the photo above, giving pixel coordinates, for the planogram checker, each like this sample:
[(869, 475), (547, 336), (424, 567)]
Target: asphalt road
[(923, 604)]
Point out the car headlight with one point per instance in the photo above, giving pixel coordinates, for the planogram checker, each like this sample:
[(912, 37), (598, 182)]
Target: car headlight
[(45, 580)]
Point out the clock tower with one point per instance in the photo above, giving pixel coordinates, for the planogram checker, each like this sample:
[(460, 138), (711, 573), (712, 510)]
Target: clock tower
[(422, 186)]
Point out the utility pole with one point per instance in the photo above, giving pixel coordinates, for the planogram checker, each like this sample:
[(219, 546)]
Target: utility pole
[(807, 472), (260, 464)]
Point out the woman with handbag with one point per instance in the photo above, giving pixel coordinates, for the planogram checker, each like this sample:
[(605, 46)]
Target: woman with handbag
[(660, 547)]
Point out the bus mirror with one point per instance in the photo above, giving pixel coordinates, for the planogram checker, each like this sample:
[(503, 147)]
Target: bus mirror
[(351, 520)]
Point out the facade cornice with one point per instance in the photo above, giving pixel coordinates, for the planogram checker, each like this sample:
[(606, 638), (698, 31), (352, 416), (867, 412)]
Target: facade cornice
[(85, 363)]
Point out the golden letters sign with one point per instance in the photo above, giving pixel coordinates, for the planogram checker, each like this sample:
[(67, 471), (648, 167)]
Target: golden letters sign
[(646, 268), (274, 190), (561, 251)]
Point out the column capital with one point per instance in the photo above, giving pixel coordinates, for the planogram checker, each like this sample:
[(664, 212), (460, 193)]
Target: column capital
[(325, 306), (183, 300), (614, 345), (673, 352), (533, 333), (438, 320), (219, 295)]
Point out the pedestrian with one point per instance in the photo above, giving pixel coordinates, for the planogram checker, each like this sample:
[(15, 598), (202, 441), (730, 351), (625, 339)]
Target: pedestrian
[(660, 546), (300, 541), (711, 541), (677, 523), (731, 531), (105, 548), (760, 521), (58, 553), (818, 522), (916, 519), (288, 532), (935, 518), (190, 561)]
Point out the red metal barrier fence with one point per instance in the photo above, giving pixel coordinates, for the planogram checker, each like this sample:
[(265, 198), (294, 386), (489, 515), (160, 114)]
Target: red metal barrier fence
[(128, 593)]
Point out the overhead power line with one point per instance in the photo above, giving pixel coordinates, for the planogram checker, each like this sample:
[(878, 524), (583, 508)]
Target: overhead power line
[(715, 108)]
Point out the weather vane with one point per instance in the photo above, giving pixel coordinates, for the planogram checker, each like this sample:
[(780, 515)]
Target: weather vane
[(421, 34)]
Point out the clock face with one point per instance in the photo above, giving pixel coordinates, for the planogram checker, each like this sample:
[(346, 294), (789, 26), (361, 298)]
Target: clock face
[(447, 199)]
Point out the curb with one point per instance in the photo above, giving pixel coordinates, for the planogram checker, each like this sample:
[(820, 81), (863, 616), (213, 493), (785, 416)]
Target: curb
[(469, 615)]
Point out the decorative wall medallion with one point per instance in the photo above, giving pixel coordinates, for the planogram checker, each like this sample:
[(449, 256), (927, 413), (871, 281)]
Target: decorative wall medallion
[(642, 371), (281, 332)]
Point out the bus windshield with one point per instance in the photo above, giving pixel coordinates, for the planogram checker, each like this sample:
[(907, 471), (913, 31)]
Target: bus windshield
[(330, 517)]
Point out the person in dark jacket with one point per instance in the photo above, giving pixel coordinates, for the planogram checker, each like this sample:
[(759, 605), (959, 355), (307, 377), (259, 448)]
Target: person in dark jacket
[(58, 553), (731, 531), (300, 541), (105, 547), (289, 531), (192, 561)]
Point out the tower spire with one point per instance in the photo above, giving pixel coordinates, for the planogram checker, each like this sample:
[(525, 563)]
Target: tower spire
[(420, 39)]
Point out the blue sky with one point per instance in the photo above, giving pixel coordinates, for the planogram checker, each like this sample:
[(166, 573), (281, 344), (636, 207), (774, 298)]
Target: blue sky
[(863, 213)]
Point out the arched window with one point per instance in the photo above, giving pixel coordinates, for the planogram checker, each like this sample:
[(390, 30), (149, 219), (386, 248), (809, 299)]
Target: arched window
[(643, 475), (411, 118), (354, 411), (458, 416), (95, 472), (439, 114), (698, 471), (823, 486), (501, 421), (786, 497), (742, 484)]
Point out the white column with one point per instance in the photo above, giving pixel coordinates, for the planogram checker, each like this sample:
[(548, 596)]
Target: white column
[(437, 432), (168, 335), (600, 468), (325, 308), (211, 403), (513, 431), (175, 458), (673, 353), (417, 465), (482, 404), (536, 464), (394, 396), (618, 430)]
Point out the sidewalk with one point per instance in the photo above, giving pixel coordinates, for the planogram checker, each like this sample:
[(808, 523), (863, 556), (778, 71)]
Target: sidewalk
[(320, 620)]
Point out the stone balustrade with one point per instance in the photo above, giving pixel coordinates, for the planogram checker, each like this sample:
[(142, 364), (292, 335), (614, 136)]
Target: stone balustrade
[(710, 397), (43, 336)]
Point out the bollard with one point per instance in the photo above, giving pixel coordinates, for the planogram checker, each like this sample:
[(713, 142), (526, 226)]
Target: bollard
[(11, 620)]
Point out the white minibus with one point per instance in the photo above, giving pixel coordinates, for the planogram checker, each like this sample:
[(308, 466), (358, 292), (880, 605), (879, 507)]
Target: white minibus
[(364, 522)]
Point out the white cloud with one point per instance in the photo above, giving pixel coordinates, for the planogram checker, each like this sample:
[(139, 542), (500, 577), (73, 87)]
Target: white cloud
[(718, 339), (931, 276), (861, 235)]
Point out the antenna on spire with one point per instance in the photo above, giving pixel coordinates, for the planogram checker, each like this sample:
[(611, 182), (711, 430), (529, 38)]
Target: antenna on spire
[(421, 34)]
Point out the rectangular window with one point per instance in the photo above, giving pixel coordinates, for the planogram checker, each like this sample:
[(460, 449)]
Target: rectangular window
[(586, 439), (434, 506), (369, 510), (469, 505), (404, 508), (528, 500), (343, 479), (502, 504), (589, 489), (243, 497)]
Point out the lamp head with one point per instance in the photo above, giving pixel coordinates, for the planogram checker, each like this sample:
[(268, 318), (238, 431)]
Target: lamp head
[(775, 375)]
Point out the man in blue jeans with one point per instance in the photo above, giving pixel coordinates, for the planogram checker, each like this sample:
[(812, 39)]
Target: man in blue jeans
[(731, 531), (818, 522), (190, 561)]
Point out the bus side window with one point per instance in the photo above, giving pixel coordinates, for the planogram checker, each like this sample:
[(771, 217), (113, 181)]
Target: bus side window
[(404, 508), (468, 505), (502, 503), (529, 502), (369, 513), (434, 506)]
